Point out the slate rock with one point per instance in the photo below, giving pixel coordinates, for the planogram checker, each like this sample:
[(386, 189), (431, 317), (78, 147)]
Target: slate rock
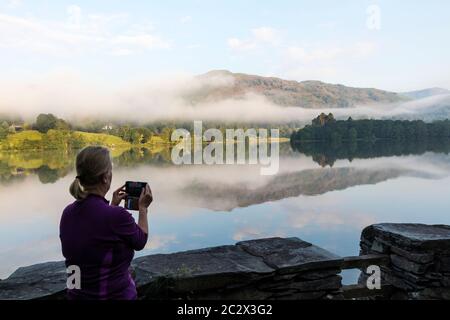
[(313, 275), (432, 294), (40, 281), (415, 237), (415, 257), (409, 266), (291, 255), (444, 263), (200, 269)]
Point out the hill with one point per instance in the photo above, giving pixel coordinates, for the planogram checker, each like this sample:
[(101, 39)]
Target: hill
[(425, 93), (306, 94)]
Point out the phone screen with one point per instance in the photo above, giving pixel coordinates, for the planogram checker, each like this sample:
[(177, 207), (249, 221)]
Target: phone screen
[(133, 190)]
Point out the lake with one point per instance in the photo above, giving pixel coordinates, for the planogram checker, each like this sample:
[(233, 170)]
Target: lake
[(322, 194)]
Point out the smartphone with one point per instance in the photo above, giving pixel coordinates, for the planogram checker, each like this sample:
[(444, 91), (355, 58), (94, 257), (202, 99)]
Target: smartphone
[(133, 190)]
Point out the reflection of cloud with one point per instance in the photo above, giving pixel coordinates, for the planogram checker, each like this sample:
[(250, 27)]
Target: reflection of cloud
[(246, 233), (249, 232), (160, 242), (41, 202), (198, 235), (299, 218), (295, 215), (31, 252)]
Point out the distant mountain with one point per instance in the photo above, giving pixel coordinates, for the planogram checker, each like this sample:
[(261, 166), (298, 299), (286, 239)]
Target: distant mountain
[(428, 109), (425, 93), (306, 94)]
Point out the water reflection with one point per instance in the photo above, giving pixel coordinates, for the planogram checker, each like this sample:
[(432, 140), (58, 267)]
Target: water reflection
[(326, 154), (49, 166), (200, 206)]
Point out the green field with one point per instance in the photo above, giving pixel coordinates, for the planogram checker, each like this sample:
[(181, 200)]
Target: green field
[(55, 139)]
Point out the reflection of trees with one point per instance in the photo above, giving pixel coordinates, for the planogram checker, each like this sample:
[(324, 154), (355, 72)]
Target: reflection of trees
[(48, 165), (326, 154), (52, 165), (161, 156), (135, 156), (47, 175)]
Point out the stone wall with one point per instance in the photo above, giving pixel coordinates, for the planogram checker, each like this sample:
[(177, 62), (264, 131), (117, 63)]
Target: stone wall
[(419, 258), (259, 269)]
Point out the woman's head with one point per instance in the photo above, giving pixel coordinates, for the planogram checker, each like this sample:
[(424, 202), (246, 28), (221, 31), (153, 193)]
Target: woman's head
[(94, 172)]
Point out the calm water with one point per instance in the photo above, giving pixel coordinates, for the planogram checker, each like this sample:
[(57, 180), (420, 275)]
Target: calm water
[(319, 195)]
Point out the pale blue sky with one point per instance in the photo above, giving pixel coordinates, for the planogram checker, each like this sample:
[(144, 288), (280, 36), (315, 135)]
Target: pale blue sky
[(121, 41)]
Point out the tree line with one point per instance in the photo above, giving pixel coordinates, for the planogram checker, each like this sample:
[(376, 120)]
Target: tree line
[(326, 128), (133, 133)]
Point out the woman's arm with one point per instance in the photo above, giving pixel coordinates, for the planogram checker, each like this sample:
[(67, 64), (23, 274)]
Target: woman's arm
[(145, 200), (124, 226), (143, 220)]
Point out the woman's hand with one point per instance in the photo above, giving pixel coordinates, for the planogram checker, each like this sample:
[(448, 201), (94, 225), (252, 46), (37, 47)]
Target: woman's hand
[(118, 196), (145, 199)]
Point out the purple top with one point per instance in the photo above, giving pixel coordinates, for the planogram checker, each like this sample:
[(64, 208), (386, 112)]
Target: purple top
[(101, 240)]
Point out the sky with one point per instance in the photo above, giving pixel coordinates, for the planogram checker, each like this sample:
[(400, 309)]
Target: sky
[(391, 45)]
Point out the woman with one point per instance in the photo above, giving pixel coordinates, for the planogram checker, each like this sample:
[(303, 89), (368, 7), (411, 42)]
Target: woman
[(98, 237)]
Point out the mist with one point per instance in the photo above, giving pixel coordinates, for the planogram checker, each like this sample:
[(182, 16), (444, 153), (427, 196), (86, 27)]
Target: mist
[(73, 97)]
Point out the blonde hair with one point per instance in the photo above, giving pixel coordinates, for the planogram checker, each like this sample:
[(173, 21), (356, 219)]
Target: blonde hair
[(92, 164)]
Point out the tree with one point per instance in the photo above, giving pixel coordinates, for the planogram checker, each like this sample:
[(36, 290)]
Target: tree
[(135, 136), (166, 133), (3, 132), (45, 122), (323, 119), (62, 125), (146, 135)]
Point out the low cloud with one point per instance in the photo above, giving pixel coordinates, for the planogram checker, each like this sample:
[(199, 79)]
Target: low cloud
[(69, 95)]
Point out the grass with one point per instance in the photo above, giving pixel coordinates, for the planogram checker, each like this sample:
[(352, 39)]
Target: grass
[(31, 135), (157, 140), (31, 139), (106, 140), (18, 140), (54, 139)]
